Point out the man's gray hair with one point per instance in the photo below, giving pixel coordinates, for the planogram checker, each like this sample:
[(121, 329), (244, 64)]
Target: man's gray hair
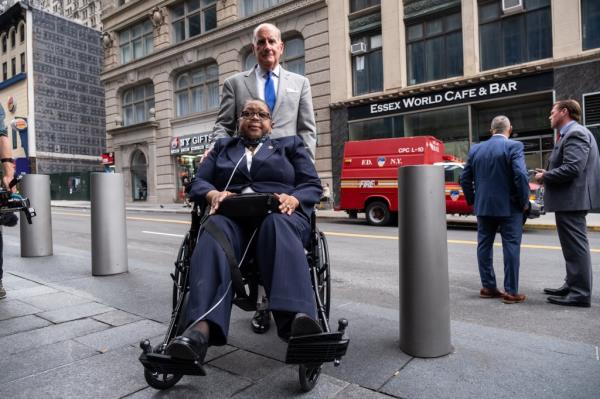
[(500, 124), (265, 25)]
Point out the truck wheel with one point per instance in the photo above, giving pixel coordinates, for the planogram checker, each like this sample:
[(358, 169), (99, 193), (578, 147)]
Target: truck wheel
[(378, 213)]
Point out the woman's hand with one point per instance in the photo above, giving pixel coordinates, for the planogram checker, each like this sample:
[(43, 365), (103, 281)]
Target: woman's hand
[(215, 197), (287, 203)]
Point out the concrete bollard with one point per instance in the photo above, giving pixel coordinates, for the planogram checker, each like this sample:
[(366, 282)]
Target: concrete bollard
[(109, 230), (36, 238), (424, 283)]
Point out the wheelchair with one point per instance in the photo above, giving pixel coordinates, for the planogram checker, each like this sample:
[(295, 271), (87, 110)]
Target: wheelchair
[(161, 371)]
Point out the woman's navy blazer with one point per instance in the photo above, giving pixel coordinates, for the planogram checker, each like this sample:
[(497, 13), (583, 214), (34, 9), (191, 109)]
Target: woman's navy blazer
[(280, 166)]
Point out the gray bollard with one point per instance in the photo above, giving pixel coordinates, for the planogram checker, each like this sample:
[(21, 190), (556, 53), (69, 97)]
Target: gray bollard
[(424, 284), (36, 238), (109, 231)]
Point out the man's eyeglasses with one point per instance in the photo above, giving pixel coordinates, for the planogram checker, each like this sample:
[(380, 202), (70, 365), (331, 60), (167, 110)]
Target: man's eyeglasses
[(260, 114)]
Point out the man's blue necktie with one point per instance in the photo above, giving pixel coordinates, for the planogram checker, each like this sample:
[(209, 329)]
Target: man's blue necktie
[(270, 97)]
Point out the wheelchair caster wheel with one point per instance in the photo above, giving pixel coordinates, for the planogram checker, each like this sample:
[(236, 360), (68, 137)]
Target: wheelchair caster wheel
[(161, 381), (309, 375)]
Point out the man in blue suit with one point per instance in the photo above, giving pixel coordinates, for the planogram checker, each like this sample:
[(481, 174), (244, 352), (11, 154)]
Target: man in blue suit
[(495, 182)]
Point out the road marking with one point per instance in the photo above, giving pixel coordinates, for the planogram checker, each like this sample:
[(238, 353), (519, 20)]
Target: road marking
[(465, 242), (597, 357), (163, 234), (338, 234)]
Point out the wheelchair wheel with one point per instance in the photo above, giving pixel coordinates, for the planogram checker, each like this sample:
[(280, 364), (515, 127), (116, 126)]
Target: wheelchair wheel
[(161, 381), (309, 375), (324, 277)]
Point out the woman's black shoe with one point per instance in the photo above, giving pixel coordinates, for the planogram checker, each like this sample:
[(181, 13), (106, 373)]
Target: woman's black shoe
[(261, 321), (191, 345)]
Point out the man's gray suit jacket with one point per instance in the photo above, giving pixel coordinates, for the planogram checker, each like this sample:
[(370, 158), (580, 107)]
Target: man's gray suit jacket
[(572, 181), (293, 113)]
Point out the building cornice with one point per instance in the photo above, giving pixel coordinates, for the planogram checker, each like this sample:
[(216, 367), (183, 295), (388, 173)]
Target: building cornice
[(227, 32), (500, 73), (132, 128)]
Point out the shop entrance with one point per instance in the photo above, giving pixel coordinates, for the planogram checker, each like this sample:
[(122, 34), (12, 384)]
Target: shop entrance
[(139, 178)]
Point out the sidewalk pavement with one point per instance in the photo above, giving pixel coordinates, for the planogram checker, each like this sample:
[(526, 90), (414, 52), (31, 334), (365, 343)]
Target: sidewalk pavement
[(544, 222), (67, 334)]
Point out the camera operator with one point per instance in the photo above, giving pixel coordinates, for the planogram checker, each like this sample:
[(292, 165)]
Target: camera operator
[(8, 173)]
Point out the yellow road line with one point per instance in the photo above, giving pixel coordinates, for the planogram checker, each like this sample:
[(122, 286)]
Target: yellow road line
[(338, 234), (465, 242)]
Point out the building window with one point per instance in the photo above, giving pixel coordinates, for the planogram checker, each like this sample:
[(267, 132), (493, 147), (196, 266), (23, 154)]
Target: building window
[(137, 102), (197, 90), (13, 66), (591, 114), (249, 7), (357, 5), (4, 71), (249, 61), (193, 17), (13, 35), (136, 41), (22, 62), (22, 34), (434, 49), (590, 15), (514, 38), (367, 63), (293, 57)]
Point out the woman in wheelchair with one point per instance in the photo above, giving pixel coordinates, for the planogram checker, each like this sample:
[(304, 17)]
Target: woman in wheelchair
[(252, 162)]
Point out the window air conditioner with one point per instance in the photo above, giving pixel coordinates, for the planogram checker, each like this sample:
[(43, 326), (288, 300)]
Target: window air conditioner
[(358, 48), (512, 6)]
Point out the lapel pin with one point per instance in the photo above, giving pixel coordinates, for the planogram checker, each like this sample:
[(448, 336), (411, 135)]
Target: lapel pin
[(270, 147)]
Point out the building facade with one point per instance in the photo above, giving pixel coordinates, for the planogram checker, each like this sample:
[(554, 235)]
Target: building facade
[(87, 12), (446, 67), (52, 95), (165, 63)]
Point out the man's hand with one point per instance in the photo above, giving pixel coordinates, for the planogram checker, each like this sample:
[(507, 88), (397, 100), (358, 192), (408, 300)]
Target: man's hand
[(287, 203), (215, 197), (539, 176)]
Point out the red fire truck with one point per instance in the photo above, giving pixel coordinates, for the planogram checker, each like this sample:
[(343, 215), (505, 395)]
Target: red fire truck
[(369, 180)]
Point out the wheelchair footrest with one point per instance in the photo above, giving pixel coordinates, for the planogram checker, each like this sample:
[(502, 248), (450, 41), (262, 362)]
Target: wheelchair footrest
[(316, 348), (165, 364)]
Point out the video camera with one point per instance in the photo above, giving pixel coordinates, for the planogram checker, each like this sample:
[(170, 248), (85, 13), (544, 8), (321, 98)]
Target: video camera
[(13, 202)]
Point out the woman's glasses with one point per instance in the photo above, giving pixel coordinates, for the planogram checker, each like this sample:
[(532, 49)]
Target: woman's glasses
[(260, 114)]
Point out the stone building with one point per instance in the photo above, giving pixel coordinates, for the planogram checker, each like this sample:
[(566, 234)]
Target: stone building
[(164, 65), (52, 95), (88, 12), (446, 67)]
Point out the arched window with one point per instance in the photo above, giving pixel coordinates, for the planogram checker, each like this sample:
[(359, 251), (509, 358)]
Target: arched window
[(293, 57), (21, 33), (13, 35), (249, 61), (197, 90), (139, 176), (136, 103), (4, 39)]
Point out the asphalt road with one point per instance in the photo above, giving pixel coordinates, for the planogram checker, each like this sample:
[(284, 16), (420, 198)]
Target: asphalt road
[(365, 269)]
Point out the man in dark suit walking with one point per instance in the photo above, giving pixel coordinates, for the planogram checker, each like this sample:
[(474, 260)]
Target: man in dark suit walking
[(495, 182), (572, 188)]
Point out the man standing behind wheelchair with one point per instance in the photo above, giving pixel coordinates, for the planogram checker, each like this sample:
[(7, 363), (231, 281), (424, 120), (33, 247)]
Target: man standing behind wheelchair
[(252, 163)]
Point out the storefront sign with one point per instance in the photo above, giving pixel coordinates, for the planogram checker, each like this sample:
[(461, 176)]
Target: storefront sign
[(193, 143), (458, 95)]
